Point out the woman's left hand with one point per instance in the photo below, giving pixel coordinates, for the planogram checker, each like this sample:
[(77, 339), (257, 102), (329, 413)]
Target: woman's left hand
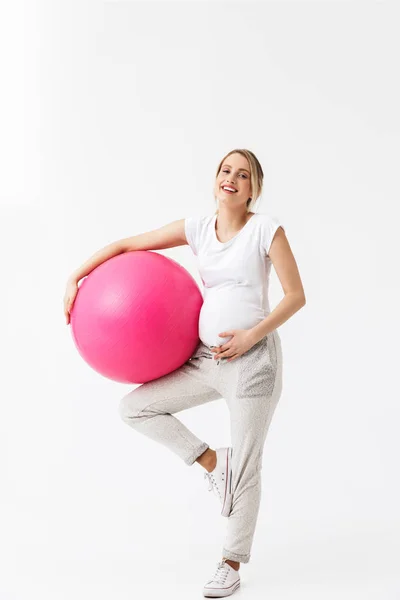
[(242, 340)]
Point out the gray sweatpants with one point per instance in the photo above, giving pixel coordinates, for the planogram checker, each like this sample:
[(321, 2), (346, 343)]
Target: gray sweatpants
[(251, 385)]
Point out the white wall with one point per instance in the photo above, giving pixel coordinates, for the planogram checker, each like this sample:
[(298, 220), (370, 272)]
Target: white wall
[(113, 118)]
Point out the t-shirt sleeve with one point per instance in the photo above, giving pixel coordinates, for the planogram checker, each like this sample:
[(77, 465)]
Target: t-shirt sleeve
[(269, 226), (192, 232)]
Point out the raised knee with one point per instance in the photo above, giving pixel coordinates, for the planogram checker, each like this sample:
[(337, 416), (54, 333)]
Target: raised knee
[(127, 409)]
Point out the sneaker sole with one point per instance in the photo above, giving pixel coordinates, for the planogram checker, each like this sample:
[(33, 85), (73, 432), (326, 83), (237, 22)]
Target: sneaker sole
[(221, 593), (227, 503)]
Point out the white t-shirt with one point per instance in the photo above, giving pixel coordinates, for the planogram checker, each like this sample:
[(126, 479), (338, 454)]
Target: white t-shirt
[(235, 274)]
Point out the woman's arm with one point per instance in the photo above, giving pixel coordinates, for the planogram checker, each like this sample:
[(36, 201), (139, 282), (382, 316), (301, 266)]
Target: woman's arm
[(167, 236), (285, 266)]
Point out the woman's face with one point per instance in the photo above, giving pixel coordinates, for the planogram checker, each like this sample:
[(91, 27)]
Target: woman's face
[(234, 172)]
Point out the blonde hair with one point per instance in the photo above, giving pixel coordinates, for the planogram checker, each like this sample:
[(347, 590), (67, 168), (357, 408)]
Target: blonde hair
[(256, 175)]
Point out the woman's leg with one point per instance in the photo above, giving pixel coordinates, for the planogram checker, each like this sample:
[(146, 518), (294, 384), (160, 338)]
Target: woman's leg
[(149, 408), (252, 394)]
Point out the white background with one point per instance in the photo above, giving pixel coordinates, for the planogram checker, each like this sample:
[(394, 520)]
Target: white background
[(114, 116)]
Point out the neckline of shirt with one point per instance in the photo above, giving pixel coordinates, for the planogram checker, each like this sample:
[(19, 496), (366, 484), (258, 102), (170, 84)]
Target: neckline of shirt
[(214, 233)]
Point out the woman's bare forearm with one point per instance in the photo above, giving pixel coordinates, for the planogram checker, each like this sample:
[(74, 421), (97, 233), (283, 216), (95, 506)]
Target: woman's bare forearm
[(97, 259)]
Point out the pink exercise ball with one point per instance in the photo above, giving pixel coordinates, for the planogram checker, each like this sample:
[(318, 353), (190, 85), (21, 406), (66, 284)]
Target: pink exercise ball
[(135, 317)]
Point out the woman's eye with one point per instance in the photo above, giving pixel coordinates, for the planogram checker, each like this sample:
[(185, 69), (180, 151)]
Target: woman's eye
[(226, 171)]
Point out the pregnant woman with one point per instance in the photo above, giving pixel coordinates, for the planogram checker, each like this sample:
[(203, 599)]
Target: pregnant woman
[(239, 354)]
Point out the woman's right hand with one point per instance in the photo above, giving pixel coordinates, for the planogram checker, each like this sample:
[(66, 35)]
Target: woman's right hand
[(69, 297)]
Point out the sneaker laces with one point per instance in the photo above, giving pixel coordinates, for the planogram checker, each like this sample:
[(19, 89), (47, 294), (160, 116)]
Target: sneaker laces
[(212, 484), (221, 573)]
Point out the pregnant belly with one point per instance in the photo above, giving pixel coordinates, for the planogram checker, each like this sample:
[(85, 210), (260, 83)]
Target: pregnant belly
[(224, 310)]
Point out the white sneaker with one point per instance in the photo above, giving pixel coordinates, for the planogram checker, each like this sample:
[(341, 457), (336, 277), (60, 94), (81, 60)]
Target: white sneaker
[(220, 479), (223, 583)]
